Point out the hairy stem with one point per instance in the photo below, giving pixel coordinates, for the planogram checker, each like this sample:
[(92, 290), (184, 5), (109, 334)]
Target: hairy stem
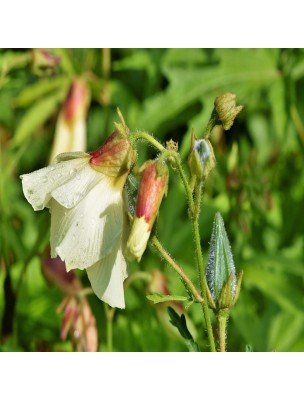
[(163, 252), (194, 214), (222, 318), (146, 136)]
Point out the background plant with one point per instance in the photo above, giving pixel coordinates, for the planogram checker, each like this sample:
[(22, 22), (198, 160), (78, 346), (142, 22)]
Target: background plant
[(257, 186)]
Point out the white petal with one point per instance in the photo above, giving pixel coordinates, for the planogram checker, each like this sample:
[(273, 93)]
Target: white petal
[(107, 277), (138, 239), (76, 188), (38, 185), (84, 234)]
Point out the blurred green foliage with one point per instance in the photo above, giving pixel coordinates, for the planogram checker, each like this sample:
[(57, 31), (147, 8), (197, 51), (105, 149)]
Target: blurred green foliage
[(258, 186)]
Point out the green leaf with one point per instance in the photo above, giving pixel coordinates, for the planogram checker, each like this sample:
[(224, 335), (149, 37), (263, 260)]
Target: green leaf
[(41, 88), (35, 116), (180, 323), (10, 60), (160, 298), (243, 69)]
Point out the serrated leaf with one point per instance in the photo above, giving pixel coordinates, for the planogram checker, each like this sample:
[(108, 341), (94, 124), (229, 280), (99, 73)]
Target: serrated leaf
[(36, 116), (180, 323), (160, 298)]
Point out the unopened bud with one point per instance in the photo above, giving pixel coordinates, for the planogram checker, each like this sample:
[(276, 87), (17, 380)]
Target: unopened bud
[(70, 132), (201, 158), (153, 186), (226, 110), (223, 285), (43, 61)]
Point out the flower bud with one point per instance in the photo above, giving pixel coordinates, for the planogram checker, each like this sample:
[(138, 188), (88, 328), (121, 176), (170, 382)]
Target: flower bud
[(153, 186), (226, 110), (43, 61), (201, 159), (223, 285), (70, 132)]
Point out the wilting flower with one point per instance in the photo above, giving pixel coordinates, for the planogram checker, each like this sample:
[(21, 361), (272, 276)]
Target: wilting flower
[(70, 132), (153, 186), (78, 318), (84, 192)]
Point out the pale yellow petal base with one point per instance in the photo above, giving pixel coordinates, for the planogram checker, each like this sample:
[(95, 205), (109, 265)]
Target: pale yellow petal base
[(138, 239)]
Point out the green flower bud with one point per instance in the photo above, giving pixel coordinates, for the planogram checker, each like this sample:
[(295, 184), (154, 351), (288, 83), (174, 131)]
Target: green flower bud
[(226, 110), (201, 159), (223, 284)]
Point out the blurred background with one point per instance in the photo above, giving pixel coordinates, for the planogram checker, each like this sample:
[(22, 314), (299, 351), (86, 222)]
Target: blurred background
[(65, 100)]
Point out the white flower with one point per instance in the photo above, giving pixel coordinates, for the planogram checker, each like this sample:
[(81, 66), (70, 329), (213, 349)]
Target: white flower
[(84, 193)]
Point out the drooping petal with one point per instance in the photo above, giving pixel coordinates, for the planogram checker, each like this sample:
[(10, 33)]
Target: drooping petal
[(107, 276), (76, 188), (38, 185), (84, 234)]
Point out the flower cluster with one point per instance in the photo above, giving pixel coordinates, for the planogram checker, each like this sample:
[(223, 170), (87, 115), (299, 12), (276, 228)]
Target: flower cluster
[(85, 193)]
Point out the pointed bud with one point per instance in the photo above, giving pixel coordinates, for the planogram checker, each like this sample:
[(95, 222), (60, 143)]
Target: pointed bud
[(220, 271), (201, 159), (70, 132), (226, 110), (43, 61), (153, 186)]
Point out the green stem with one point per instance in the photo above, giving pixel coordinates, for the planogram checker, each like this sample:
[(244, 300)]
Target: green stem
[(109, 316), (187, 188), (222, 318), (198, 198), (203, 282), (106, 70), (211, 124), (194, 214), (163, 252), (145, 135)]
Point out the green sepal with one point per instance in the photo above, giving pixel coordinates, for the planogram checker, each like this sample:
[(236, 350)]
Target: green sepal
[(201, 159), (238, 287), (211, 303), (225, 300), (160, 298), (180, 323)]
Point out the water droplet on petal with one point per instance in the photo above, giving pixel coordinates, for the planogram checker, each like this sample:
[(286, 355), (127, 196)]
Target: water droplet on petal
[(73, 171), (44, 179)]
